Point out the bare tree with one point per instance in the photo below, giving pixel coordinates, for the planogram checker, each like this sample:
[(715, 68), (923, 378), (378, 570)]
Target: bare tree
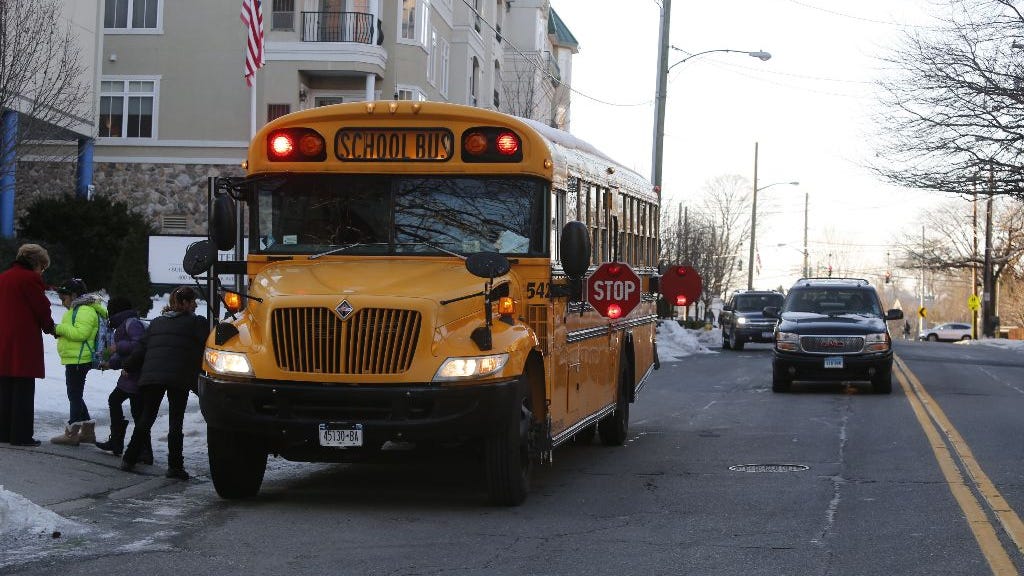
[(710, 237), (530, 89), (41, 74), (953, 104)]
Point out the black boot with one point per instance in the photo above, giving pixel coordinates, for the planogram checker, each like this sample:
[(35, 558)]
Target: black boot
[(115, 443), (146, 456), (176, 456)]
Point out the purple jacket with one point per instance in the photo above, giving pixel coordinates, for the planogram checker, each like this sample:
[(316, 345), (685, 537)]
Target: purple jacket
[(128, 331)]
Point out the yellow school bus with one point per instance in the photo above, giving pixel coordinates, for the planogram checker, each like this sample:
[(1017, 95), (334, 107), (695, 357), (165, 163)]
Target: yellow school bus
[(414, 274)]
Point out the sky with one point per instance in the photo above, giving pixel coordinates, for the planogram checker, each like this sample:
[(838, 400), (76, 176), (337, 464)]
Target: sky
[(808, 109)]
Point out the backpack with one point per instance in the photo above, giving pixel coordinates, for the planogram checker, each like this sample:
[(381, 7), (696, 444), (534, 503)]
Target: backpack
[(104, 339)]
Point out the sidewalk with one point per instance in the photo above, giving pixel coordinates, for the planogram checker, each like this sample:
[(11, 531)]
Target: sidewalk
[(66, 478)]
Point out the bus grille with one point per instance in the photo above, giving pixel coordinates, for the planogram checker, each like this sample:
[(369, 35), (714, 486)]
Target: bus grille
[(371, 341), (832, 344)]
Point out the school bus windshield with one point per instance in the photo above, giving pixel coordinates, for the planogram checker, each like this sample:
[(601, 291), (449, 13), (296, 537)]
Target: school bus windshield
[(389, 214)]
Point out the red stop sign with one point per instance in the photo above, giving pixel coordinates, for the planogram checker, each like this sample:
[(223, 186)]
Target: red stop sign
[(681, 285), (613, 290)]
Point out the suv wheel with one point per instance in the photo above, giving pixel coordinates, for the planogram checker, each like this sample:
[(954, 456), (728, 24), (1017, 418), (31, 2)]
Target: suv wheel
[(780, 380), (735, 341), (882, 382), (933, 338), (725, 341)]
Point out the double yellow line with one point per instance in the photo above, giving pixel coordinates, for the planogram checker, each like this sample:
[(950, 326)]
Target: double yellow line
[(957, 461)]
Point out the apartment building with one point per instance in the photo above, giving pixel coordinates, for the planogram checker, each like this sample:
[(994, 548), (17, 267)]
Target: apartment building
[(172, 107)]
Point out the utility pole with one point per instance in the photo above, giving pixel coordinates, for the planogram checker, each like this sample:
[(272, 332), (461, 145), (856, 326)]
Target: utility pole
[(659, 100), (974, 264), (987, 316), (920, 318), (807, 272), (753, 227)]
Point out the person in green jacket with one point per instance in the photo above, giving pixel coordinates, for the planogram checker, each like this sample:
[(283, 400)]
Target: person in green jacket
[(75, 335)]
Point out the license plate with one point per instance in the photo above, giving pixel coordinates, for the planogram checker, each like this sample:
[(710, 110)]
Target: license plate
[(767, 334), (336, 435), (834, 362)]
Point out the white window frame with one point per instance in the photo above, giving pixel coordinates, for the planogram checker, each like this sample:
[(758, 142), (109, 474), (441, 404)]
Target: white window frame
[(124, 94), (432, 58), (159, 29), (415, 92), (445, 62), (424, 22), (402, 39)]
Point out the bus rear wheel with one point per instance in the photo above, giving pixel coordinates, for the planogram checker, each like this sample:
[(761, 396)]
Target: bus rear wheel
[(237, 463), (614, 428), (507, 453)]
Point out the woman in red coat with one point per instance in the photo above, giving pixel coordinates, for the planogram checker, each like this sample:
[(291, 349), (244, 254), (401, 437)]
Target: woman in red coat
[(25, 310)]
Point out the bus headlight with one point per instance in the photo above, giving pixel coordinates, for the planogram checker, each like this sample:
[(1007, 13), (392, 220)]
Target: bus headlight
[(787, 341), (228, 362), (470, 367), (876, 342)]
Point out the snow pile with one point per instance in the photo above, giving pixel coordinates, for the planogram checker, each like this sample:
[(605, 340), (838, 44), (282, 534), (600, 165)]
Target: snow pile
[(675, 342)]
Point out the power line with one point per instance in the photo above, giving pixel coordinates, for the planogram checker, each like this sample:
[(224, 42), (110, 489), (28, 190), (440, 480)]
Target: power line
[(862, 19)]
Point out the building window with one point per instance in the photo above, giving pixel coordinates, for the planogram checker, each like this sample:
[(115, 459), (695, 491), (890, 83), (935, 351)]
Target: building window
[(327, 100), (445, 57), (432, 58), (283, 17), (408, 13), (474, 80), (476, 15), (277, 110), (131, 14), (127, 108), (409, 93)]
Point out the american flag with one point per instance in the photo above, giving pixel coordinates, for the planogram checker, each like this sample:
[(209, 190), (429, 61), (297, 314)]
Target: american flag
[(252, 17)]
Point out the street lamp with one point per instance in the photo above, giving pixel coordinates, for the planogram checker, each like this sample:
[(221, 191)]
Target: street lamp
[(659, 101), (753, 219)]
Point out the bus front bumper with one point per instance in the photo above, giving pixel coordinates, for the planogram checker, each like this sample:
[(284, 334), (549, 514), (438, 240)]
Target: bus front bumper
[(286, 416)]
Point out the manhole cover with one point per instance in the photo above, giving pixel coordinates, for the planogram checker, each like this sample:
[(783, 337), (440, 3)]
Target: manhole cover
[(768, 468)]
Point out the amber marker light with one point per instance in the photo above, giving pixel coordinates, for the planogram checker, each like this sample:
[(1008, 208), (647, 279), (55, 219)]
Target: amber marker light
[(475, 143), (233, 301), (506, 306), (311, 145)]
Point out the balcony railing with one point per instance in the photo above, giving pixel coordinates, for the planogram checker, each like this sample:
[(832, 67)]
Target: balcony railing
[(338, 27)]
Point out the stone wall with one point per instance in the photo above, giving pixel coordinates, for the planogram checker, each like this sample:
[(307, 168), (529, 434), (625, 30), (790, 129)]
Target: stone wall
[(153, 190)]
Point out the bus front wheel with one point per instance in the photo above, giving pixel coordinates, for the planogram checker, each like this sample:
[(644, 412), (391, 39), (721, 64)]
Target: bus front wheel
[(237, 463), (507, 453)]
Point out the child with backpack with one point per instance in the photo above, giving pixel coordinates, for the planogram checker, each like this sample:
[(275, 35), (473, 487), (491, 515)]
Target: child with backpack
[(128, 331), (76, 344)]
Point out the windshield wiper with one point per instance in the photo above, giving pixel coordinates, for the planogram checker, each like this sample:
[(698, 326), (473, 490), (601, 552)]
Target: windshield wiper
[(432, 247), (345, 247)]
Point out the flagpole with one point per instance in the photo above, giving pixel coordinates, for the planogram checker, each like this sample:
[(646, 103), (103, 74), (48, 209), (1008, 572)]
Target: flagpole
[(252, 108)]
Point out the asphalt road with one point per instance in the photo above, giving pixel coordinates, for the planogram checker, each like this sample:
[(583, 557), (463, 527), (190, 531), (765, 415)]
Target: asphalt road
[(720, 476)]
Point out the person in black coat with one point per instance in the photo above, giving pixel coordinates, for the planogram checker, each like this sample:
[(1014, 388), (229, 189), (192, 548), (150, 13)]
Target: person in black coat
[(171, 355)]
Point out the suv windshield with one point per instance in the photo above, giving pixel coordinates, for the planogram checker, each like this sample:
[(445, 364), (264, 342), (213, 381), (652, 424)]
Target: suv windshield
[(757, 302), (833, 301), (378, 214)]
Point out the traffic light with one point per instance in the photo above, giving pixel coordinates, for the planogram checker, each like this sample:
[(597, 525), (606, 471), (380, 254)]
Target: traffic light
[(829, 270), (888, 276)]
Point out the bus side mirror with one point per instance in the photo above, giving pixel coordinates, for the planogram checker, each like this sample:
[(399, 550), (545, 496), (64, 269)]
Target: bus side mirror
[(199, 257), (222, 222), (575, 248)]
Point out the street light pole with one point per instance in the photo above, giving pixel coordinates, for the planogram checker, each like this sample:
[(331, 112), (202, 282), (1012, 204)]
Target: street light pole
[(807, 273), (662, 88), (753, 222)]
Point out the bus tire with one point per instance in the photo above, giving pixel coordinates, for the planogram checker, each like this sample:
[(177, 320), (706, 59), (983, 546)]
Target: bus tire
[(614, 428), (237, 463), (507, 454)]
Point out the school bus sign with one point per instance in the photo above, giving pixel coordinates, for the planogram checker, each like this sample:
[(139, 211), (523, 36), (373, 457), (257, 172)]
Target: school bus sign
[(613, 290)]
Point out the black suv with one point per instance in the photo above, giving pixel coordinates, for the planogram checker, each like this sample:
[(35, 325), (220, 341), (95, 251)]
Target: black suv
[(743, 320), (832, 329)]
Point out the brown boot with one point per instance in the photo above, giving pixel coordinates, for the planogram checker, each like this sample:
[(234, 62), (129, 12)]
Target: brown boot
[(88, 432), (71, 435)]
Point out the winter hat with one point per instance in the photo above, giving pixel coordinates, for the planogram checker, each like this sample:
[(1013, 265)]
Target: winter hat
[(118, 304), (73, 286)]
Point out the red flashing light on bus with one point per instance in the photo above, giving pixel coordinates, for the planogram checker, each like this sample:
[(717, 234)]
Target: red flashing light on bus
[(614, 311), (296, 145), (507, 143), (680, 300), (491, 144)]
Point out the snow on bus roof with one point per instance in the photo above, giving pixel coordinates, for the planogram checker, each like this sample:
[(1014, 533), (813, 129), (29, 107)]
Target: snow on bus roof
[(567, 140)]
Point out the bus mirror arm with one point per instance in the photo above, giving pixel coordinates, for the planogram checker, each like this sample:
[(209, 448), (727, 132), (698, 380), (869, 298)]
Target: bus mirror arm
[(482, 334)]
